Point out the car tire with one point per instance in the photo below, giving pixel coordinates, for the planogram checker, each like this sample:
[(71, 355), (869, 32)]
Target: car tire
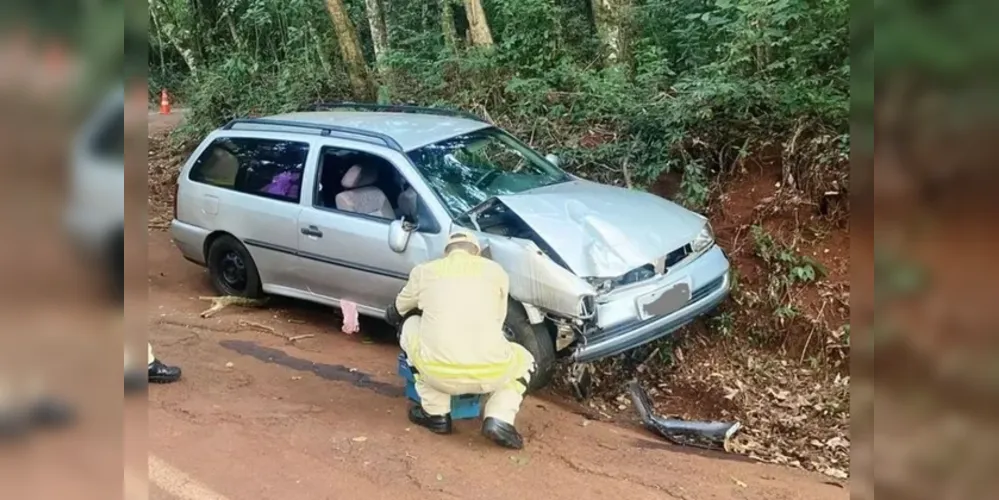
[(232, 269), (534, 338)]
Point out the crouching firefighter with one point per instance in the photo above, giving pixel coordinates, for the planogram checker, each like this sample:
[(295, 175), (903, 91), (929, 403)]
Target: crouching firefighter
[(452, 311)]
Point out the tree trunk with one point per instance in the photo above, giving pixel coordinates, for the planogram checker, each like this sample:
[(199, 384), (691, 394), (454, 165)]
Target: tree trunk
[(232, 31), (324, 58), (447, 24), (478, 27), (171, 32), (158, 32), (611, 19), (350, 49), (379, 31)]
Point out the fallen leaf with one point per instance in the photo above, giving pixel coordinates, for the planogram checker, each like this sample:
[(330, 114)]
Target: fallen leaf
[(739, 483), (836, 473), (359, 439), (296, 377), (440, 477), (837, 442), (229, 365), (520, 460), (730, 393)]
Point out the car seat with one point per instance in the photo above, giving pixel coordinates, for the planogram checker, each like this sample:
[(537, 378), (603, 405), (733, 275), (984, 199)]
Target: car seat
[(407, 203), (361, 196)]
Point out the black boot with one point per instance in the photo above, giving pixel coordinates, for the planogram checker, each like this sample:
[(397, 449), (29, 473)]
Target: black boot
[(502, 433), (162, 374), (438, 424)]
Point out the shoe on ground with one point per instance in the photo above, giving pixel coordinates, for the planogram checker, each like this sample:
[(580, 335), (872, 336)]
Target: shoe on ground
[(438, 424), (163, 374), (502, 433)]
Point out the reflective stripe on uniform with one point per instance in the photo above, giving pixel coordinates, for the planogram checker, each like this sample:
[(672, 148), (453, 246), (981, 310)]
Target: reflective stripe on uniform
[(482, 372), (486, 372)]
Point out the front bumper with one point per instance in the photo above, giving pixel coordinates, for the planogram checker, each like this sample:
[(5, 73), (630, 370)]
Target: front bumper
[(627, 335)]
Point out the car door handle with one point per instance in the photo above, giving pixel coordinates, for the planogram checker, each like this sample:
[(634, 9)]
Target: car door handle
[(312, 231)]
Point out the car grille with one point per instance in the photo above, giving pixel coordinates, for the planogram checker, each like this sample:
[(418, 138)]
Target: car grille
[(647, 271)]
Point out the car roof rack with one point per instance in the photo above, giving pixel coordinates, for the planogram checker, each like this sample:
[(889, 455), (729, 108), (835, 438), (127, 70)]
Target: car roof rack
[(324, 130), (392, 108)]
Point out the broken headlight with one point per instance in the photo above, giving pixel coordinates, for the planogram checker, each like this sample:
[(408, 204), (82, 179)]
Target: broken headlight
[(703, 240), (639, 274), (601, 285)]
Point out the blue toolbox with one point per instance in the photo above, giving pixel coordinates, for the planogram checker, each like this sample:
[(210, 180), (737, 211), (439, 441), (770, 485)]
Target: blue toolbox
[(463, 407)]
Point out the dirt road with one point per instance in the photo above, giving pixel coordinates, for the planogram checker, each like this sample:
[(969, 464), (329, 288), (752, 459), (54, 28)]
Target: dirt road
[(324, 418), (257, 416)]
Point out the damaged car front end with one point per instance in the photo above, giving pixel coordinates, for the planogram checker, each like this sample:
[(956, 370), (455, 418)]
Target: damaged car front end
[(602, 269), (609, 269)]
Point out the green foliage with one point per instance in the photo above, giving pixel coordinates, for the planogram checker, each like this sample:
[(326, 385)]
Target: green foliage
[(707, 81), (787, 270), (723, 323)]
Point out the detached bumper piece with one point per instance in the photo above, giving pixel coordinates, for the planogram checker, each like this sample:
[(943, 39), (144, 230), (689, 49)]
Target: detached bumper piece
[(708, 435)]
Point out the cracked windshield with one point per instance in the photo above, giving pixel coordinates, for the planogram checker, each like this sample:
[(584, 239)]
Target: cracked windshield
[(469, 169)]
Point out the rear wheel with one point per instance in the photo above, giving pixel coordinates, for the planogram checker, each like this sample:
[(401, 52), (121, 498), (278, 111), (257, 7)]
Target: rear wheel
[(232, 268), (534, 338)]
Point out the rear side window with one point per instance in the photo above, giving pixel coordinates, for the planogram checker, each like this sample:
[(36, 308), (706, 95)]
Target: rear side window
[(264, 167)]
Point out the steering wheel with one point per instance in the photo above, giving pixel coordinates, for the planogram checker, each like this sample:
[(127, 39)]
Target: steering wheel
[(490, 176)]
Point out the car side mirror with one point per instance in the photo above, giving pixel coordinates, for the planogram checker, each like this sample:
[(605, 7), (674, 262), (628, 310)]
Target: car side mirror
[(552, 159), (400, 230)]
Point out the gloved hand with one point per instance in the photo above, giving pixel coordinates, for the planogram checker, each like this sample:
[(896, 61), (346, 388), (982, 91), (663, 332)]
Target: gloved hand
[(392, 316)]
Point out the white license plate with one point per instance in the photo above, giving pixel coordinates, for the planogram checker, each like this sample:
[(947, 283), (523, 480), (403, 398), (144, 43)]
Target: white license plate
[(664, 302)]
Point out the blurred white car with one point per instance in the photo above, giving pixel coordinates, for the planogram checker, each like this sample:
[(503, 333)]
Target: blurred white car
[(95, 215)]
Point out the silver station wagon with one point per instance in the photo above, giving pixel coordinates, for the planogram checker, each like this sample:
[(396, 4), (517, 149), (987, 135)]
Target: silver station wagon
[(341, 201)]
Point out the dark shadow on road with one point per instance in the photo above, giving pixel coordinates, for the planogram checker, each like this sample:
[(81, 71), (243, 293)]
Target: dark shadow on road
[(336, 373)]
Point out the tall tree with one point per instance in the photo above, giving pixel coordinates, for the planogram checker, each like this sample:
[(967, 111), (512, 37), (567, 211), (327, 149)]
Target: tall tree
[(171, 25), (611, 18), (350, 48), (478, 27), (447, 24), (379, 31)]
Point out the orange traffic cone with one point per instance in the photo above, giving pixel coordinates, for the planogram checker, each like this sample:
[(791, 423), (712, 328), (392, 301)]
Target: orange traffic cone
[(164, 103)]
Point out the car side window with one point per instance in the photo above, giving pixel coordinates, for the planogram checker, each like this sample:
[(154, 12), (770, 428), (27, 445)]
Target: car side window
[(367, 185), (269, 168)]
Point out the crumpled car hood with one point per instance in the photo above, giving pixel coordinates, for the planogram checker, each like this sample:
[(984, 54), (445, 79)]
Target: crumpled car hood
[(604, 231)]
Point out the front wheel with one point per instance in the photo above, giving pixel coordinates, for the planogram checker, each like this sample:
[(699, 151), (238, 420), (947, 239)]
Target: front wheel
[(534, 338)]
